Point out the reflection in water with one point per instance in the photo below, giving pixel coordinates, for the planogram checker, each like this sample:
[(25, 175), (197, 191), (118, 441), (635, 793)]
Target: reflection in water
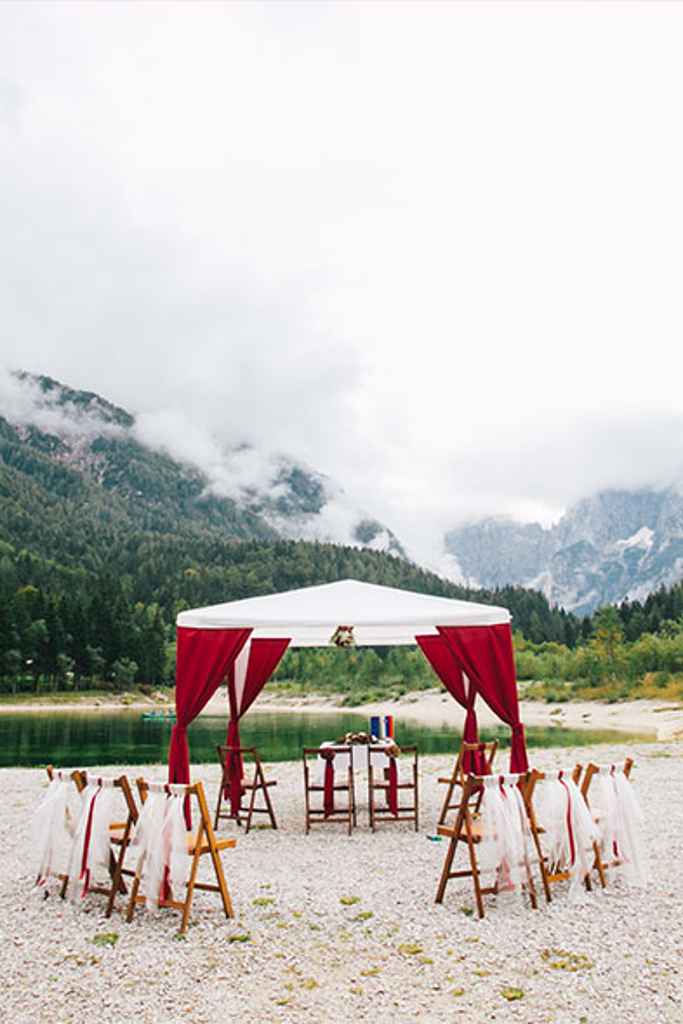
[(88, 738)]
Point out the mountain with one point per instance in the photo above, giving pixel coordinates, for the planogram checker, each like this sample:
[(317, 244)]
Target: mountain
[(99, 528), (613, 546), (85, 446)]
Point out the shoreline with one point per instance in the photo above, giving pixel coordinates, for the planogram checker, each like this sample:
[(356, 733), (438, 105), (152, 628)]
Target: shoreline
[(660, 719)]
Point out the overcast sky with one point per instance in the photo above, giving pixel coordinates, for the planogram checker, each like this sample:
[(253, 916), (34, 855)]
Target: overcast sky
[(436, 251)]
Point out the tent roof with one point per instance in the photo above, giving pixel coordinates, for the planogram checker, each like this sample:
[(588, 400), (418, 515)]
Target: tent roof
[(309, 616)]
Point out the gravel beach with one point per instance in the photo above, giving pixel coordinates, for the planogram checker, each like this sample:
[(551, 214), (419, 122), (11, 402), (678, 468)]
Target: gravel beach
[(331, 927)]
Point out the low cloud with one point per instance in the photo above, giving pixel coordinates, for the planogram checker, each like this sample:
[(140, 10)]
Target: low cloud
[(294, 248)]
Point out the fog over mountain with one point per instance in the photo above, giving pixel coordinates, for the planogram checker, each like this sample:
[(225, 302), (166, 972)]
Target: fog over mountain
[(293, 499), (615, 545)]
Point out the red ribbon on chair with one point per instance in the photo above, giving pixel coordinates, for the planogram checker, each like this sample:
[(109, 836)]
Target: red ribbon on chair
[(392, 789), (85, 870), (570, 830), (235, 770), (328, 783)]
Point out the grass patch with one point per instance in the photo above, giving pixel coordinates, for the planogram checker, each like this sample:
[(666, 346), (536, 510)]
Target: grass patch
[(563, 960), (409, 949), (512, 993)]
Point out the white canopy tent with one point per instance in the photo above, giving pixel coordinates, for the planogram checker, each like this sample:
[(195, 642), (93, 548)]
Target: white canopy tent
[(380, 616), (468, 645)]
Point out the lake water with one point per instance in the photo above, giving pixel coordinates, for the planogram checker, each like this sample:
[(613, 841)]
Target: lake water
[(99, 738)]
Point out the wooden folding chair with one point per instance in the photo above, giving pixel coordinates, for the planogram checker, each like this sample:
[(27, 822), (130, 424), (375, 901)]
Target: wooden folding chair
[(329, 783), (199, 843), (66, 775), (120, 835), (468, 831), (600, 864), (548, 875), (457, 777), (381, 765), (228, 757)]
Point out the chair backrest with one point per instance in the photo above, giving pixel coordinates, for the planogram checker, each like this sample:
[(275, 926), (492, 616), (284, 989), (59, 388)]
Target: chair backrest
[(119, 782), (595, 769), (75, 775), (340, 757), (93, 834), (54, 823), (328, 753), (169, 853), (485, 755), (535, 777), (229, 756), (380, 754), (618, 817), (505, 829)]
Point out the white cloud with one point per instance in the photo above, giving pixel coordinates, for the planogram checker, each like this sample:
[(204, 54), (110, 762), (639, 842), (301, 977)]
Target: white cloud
[(431, 250)]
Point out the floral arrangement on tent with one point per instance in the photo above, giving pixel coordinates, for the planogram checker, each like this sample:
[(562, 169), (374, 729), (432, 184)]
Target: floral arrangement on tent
[(343, 637)]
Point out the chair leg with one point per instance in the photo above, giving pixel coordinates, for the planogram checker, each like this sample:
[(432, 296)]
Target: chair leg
[(353, 798), (269, 805), (599, 866), (475, 870), (446, 870), (307, 804), (116, 881), (250, 810), (448, 862), (542, 865), (531, 887), (187, 906), (417, 798), (222, 884), (446, 806), (371, 799), (218, 803), (134, 893)]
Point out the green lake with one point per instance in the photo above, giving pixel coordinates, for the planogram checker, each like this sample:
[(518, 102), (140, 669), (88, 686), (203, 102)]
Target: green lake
[(74, 738)]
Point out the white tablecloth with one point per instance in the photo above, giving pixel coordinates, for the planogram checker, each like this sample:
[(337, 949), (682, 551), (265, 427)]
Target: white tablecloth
[(359, 753)]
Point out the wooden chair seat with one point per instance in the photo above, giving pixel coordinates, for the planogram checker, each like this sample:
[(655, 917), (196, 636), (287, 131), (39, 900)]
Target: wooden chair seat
[(399, 785), (220, 844), (321, 789), (450, 833)]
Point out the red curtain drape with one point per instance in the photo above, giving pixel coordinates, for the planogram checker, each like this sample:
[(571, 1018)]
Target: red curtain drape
[(486, 656), (264, 657), (202, 660), (448, 669)]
